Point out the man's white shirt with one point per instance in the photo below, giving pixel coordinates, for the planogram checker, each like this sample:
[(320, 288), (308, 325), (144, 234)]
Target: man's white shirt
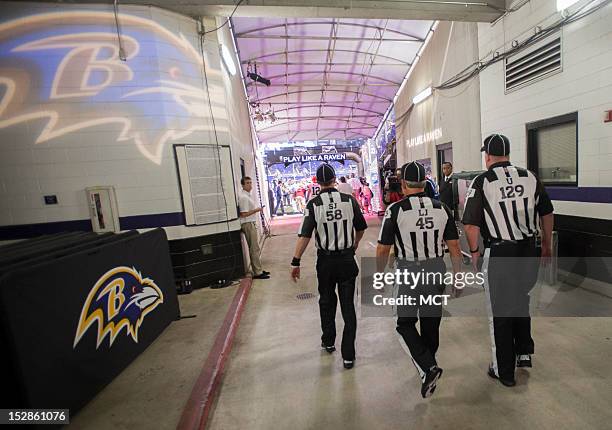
[(345, 188), (247, 204), (355, 184)]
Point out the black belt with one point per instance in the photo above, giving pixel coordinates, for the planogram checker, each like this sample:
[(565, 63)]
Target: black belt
[(528, 241), (348, 251), (419, 263)]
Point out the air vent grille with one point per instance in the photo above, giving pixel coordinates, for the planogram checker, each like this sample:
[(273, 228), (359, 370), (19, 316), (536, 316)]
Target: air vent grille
[(535, 63)]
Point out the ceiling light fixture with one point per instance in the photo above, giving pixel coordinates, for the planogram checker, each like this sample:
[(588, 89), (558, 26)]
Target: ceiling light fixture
[(422, 96), (564, 4), (226, 55)]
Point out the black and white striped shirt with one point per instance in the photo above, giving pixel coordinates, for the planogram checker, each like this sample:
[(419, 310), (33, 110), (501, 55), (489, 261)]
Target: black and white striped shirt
[(506, 203), (416, 226), (334, 217)]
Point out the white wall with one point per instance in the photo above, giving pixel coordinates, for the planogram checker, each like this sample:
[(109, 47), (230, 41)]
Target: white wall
[(120, 133), (456, 112), (584, 85), (243, 137)]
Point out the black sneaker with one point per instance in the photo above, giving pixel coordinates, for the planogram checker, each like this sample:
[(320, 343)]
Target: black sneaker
[(348, 364), (261, 276), (506, 382), (265, 272), (523, 360), (431, 380), (328, 348)]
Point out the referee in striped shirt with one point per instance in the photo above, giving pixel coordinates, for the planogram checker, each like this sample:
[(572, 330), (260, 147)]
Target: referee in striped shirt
[(510, 208), (338, 225), (416, 226)]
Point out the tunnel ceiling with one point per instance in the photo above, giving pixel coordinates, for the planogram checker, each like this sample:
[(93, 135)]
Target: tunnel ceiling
[(443, 10), (334, 65), (330, 78)]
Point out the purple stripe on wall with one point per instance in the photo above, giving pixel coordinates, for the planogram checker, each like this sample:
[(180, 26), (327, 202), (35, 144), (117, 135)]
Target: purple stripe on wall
[(25, 231), (581, 194)]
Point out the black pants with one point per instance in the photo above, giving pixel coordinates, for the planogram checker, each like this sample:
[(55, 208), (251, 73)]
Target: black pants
[(512, 271), (279, 204), (340, 271), (422, 345)]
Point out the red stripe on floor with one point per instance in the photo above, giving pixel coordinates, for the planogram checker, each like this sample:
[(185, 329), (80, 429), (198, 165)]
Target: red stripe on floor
[(200, 401)]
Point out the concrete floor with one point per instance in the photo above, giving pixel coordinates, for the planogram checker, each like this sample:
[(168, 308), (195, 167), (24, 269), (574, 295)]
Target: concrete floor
[(277, 377)]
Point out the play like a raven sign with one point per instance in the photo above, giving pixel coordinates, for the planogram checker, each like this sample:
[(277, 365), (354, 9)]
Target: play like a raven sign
[(316, 157)]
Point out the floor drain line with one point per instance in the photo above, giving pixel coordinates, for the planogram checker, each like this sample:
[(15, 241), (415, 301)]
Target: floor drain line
[(305, 296)]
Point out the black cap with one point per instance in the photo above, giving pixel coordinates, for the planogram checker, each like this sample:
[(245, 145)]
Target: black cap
[(325, 173), (496, 144), (413, 172)]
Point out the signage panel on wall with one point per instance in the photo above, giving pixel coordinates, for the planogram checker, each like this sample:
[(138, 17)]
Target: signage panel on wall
[(428, 137), (315, 157), (325, 153)]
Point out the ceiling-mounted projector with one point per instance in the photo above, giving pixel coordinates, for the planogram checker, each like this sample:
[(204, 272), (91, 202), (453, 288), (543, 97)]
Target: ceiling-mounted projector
[(258, 78)]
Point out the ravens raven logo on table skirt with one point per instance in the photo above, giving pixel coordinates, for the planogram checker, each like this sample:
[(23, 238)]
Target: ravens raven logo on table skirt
[(121, 299)]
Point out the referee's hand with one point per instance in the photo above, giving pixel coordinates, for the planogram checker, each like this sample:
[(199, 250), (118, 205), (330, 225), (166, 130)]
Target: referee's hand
[(295, 273), (475, 257)]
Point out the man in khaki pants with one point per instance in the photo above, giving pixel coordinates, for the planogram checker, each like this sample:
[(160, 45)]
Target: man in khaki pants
[(248, 218)]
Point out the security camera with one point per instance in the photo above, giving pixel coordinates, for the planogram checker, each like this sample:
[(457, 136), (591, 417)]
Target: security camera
[(258, 78)]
